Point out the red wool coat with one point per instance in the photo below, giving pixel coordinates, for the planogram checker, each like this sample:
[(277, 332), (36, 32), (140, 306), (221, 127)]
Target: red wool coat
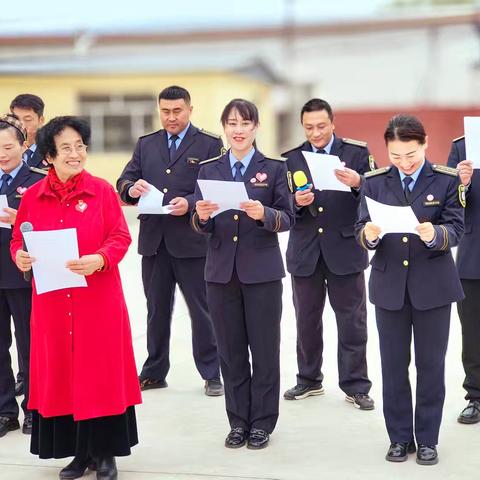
[(81, 360)]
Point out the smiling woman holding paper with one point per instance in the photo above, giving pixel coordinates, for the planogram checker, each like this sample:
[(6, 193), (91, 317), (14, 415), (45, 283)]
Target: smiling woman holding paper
[(413, 283), (243, 272), (83, 383)]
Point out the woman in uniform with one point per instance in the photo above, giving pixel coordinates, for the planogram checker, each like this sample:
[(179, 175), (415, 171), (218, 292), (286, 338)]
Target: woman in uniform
[(413, 283), (243, 272)]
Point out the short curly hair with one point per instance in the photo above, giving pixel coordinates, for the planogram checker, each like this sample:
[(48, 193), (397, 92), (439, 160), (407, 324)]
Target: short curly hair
[(46, 135)]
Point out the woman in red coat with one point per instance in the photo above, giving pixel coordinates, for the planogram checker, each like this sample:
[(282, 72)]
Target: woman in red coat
[(83, 384)]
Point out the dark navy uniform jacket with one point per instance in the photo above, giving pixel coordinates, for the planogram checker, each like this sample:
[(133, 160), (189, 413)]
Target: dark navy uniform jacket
[(236, 240), (37, 161), (10, 275), (326, 227), (177, 178), (468, 253), (403, 261)]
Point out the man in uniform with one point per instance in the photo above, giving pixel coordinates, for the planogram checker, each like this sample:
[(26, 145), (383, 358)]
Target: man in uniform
[(323, 256), (15, 292), (172, 252), (468, 264), (29, 109)]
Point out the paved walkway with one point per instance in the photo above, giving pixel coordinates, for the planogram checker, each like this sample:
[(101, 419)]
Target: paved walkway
[(182, 431)]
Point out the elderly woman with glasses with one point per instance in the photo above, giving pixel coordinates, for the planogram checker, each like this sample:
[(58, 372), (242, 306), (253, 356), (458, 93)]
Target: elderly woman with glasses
[(83, 384)]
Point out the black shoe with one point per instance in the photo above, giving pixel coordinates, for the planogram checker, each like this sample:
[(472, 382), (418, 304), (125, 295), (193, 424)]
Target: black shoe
[(8, 424), (76, 468), (149, 383), (214, 387), (427, 455), (27, 424), (257, 439), (300, 391), (471, 413), (106, 468), (236, 438), (19, 388), (361, 401), (398, 451)]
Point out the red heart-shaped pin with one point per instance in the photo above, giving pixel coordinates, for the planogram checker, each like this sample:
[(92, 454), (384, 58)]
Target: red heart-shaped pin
[(261, 177), (81, 206), (21, 190)]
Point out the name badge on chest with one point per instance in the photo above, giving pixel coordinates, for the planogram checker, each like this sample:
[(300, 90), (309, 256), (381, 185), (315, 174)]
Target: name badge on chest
[(430, 201), (259, 180)]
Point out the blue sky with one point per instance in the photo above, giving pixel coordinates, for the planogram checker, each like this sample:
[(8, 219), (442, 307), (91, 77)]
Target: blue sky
[(44, 16)]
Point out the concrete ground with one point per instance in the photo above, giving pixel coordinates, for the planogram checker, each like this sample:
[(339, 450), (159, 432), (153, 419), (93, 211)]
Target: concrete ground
[(182, 431)]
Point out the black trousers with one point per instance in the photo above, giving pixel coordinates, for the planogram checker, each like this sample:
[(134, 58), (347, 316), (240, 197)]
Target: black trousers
[(60, 437), (348, 300), (160, 274), (247, 316), (469, 313), (17, 304), (430, 333)]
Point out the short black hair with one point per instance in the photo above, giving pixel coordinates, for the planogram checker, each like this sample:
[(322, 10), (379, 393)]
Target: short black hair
[(405, 128), (175, 92), (246, 109), (316, 105), (10, 120), (46, 135), (29, 102)]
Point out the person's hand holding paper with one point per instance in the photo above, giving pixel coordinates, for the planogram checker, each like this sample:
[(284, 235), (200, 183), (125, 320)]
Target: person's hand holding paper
[(328, 172), (390, 219), (222, 195)]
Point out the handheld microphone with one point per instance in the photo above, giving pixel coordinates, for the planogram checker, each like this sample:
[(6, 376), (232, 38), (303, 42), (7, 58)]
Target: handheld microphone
[(301, 182), (26, 227)]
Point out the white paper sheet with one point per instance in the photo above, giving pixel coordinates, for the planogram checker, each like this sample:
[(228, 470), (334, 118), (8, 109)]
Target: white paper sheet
[(228, 195), (322, 168), (3, 204), (472, 140), (392, 219), (152, 202), (51, 250)]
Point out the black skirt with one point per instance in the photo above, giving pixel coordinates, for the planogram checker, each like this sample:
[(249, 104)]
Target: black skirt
[(60, 437)]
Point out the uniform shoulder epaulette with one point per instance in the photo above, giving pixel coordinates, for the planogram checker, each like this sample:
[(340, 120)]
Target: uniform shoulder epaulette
[(149, 134), (458, 138), (38, 170), (358, 143), (210, 134), (276, 159), (378, 171), (292, 150), (208, 160), (446, 170)]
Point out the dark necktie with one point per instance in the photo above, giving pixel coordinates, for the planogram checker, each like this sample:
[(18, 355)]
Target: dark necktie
[(173, 147), (5, 179), (238, 172), (321, 151), (29, 154), (406, 188)]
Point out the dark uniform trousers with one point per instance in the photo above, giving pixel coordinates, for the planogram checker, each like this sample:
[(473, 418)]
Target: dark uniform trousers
[(323, 256), (309, 295), (172, 253), (243, 272), (15, 302), (430, 327), (242, 315), (161, 273), (412, 287), (468, 264)]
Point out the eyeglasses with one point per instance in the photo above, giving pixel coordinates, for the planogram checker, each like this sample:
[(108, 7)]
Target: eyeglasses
[(69, 149)]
